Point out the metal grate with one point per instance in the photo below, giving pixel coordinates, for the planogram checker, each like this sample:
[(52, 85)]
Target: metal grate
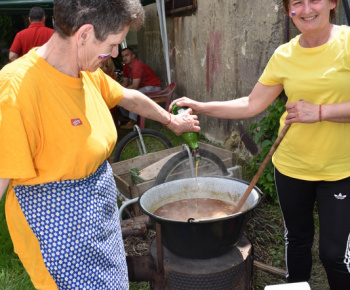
[(234, 278)]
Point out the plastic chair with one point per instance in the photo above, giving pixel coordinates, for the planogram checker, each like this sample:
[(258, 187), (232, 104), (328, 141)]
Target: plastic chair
[(164, 91), (164, 96)]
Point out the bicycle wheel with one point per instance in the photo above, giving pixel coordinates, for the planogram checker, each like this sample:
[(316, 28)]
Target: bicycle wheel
[(178, 167), (129, 146)]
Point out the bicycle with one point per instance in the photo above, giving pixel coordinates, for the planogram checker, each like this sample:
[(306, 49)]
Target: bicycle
[(140, 142), (182, 166)]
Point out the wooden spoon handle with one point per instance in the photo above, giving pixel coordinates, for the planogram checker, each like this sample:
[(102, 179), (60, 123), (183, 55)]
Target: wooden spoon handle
[(262, 167)]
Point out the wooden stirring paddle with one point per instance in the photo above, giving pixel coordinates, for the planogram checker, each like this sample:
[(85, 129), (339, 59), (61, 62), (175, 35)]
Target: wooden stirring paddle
[(262, 167)]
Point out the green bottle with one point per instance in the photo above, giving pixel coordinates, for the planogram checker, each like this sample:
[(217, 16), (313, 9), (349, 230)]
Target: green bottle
[(189, 137)]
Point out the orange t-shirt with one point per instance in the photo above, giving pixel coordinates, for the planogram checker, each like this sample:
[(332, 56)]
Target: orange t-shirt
[(53, 127)]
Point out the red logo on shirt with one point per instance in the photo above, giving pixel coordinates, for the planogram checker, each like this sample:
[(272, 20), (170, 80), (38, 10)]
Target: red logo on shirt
[(76, 122)]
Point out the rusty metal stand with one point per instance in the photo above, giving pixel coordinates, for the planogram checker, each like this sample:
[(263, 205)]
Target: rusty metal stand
[(230, 271), (166, 271), (144, 268)]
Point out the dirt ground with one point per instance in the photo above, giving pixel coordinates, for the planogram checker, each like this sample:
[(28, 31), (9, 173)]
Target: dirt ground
[(265, 231)]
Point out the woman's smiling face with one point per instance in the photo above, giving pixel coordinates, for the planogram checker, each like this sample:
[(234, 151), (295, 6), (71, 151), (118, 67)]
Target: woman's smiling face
[(310, 15)]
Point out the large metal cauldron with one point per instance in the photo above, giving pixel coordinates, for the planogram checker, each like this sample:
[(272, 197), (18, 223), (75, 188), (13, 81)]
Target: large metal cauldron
[(200, 239)]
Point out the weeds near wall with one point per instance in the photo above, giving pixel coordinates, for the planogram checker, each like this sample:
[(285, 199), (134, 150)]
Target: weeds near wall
[(265, 133)]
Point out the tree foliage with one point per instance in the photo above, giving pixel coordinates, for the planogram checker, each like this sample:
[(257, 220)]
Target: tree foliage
[(6, 35)]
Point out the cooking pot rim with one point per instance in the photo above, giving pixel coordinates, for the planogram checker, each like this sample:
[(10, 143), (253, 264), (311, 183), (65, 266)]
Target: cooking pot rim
[(158, 218)]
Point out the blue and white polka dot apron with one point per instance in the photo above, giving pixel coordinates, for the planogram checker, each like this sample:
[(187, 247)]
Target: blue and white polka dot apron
[(78, 228)]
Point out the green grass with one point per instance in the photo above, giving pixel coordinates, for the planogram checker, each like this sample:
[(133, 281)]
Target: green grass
[(12, 274)]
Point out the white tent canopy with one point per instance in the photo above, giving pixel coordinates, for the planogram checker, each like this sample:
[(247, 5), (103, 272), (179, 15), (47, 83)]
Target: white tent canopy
[(164, 35)]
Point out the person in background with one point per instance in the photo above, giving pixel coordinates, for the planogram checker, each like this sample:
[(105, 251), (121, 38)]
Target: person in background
[(56, 134), (139, 76), (312, 161), (35, 35)]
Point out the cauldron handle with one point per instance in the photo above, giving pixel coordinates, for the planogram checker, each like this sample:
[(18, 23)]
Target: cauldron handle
[(262, 168)]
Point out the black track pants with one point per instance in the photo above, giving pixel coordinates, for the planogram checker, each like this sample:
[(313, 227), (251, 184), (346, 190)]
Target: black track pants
[(297, 199)]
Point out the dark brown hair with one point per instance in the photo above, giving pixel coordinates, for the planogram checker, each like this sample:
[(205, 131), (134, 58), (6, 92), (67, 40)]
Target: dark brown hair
[(36, 14), (332, 13)]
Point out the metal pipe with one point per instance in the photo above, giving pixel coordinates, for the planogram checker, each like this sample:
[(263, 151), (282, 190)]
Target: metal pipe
[(347, 10), (160, 265)]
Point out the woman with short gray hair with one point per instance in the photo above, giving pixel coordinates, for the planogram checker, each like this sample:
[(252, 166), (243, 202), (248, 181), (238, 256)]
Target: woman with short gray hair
[(56, 135)]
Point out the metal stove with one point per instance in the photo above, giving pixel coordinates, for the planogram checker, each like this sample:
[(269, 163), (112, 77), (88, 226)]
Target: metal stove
[(167, 271)]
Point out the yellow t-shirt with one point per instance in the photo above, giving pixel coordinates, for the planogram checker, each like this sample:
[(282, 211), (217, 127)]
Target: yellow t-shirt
[(53, 127), (320, 75)]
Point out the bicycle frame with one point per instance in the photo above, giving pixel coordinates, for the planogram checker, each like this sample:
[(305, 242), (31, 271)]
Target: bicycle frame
[(142, 147)]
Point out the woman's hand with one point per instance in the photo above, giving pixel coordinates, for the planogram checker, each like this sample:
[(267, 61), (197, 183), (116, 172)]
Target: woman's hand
[(302, 112), (184, 122), (186, 102)]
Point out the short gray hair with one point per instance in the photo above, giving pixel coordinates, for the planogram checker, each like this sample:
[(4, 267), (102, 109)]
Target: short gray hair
[(106, 16)]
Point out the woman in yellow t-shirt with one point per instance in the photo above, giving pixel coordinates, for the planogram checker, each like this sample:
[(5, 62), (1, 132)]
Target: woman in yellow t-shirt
[(312, 161), (56, 133)]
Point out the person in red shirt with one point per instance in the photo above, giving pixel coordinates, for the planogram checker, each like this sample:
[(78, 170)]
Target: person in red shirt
[(138, 76), (35, 35)]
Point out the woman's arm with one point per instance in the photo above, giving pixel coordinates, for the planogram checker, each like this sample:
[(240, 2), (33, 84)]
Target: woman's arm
[(339, 113), (3, 186), (305, 112), (259, 99), (140, 104)]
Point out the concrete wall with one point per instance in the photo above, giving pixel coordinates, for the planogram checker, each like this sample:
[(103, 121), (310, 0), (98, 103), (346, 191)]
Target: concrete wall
[(216, 54)]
